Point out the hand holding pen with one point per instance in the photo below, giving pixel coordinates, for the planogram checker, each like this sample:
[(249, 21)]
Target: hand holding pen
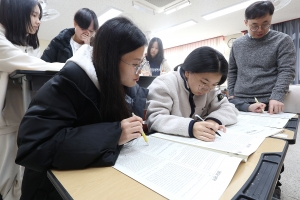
[(142, 133), (206, 130), (257, 107), (132, 128)]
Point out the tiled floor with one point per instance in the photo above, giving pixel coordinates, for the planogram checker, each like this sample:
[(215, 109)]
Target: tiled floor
[(290, 189)]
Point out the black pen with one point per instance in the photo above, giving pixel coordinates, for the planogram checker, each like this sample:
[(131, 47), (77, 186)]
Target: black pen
[(203, 121)]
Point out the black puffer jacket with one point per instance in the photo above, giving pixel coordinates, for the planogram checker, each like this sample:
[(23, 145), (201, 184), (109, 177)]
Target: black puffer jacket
[(62, 130), (59, 49)]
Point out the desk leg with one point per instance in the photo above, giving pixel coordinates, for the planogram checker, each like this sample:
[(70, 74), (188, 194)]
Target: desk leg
[(26, 93)]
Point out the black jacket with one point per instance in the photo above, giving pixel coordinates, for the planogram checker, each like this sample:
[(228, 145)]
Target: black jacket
[(59, 49), (62, 130)]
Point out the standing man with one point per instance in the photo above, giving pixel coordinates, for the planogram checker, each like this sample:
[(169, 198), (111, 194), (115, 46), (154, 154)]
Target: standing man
[(261, 63)]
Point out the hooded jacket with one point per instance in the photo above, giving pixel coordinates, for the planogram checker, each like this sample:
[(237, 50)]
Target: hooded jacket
[(62, 128), (59, 49)]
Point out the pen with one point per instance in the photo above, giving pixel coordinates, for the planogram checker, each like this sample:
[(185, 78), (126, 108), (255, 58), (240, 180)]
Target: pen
[(258, 102), (203, 121), (143, 134)]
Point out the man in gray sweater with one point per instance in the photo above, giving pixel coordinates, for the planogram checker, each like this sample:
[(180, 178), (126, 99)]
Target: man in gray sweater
[(261, 63)]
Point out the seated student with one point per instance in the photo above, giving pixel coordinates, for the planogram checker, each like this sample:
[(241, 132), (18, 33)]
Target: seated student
[(176, 97), (68, 41), (158, 65), (83, 115), (19, 50)]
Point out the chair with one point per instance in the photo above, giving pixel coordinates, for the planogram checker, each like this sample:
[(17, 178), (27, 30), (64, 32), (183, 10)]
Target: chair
[(292, 99)]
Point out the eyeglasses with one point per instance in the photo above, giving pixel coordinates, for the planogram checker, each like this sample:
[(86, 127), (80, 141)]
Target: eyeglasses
[(205, 87), (138, 67), (255, 28)]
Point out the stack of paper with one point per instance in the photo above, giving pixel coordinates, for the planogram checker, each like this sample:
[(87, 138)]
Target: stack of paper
[(177, 171)]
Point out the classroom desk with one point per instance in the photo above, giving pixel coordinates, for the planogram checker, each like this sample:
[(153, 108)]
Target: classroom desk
[(291, 129), (30, 81), (108, 183)]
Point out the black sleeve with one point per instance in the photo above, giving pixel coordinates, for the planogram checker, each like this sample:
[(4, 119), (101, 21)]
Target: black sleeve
[(49, 138), (51, 52)]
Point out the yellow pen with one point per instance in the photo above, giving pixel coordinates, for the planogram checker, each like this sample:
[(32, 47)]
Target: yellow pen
[(143, 134), (258, 102)]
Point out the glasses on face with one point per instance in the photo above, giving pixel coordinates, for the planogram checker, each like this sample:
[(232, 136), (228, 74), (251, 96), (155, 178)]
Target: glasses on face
[(263, 27), (206, 88), (138, 67)]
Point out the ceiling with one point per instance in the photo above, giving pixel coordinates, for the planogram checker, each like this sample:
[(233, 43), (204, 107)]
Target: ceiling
[(226, 25)]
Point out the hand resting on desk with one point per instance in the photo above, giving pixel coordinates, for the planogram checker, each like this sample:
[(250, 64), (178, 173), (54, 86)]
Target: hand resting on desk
[(275, 107)]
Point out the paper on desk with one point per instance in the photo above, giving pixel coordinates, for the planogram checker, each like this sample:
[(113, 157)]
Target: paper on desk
[(177, 171), (231, 142), (252, 129), (281, 135), (262, 121), (266, 114)]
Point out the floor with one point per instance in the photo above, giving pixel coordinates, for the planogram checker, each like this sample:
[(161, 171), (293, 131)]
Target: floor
[(290, 189)]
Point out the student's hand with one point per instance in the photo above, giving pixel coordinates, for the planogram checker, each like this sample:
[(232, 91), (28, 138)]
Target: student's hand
[(220, 127), (275, 107), (86, 38), (205, 131), (132, 128), (257, 107)]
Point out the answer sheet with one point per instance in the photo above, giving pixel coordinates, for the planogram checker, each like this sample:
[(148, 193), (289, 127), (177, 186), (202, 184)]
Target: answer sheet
[(252, 129), (234, 142), (177, 171), (266, 114), (262, 121)]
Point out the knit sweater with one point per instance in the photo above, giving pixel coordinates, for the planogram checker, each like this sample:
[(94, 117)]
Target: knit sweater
[(171, 111), (261, 68)]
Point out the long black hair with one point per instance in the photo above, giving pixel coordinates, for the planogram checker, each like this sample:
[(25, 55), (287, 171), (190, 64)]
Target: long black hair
[(113, 39), (15, 16), (84, 17), (160, 55), (206, 59)]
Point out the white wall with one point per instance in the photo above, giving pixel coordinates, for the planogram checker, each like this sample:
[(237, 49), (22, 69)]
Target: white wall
[(43, 45), (227, 49)]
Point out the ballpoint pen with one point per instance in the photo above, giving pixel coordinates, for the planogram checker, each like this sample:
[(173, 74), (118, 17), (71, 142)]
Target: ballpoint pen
[(258, 102), (143, 134), (203, 121)]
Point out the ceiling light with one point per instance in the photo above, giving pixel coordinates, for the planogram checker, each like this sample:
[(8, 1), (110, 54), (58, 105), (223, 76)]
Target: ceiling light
[(143, 7), (177, 6), (111, 13), (228, 10), (176, 27)]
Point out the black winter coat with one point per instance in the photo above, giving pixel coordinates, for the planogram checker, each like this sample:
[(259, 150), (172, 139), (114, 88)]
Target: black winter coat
[(62, 130), (59, 49)]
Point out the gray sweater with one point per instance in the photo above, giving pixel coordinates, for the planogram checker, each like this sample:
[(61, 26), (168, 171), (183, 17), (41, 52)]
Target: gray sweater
[(261, 68)]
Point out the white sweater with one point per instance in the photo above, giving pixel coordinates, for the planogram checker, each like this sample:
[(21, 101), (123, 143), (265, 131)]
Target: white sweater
[(13, 57), (169, 107)]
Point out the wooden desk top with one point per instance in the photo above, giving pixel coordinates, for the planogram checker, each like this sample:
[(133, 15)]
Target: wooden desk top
[(108, 183)]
